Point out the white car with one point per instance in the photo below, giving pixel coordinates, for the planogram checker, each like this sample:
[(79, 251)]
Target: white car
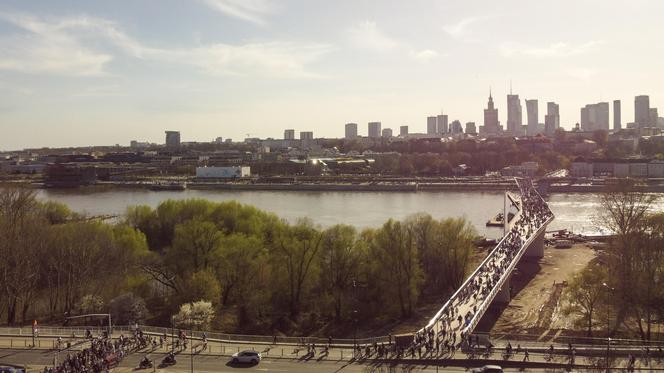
[(488, 369), (247, 356)]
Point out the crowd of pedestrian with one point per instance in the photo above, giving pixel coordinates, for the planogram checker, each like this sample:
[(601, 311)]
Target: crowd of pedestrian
[(450, 329)]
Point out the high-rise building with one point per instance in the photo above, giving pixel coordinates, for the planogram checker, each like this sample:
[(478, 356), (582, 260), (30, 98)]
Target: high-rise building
[(172, 139), (351, 130), (616, 115), (374, 129), (514, 119), (552, 118), (455, 127), (289, 134), (441, 119), (403, 131), (306, 135), (595, 117), (642, 111), (432, 126), (491, 124), (386, 133), (653, 117), (471, 129), (533, 118)]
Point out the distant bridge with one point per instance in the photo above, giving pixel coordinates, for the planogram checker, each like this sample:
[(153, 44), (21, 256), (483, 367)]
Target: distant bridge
[(490, 282)]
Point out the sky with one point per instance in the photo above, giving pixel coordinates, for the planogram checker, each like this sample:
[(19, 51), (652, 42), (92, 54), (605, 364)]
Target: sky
[(87, 72)]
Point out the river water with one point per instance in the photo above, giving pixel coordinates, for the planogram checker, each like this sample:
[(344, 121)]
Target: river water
[(360, 209)]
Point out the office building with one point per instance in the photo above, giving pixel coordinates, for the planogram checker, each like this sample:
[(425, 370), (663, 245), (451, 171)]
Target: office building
[(351, 130), (642, 111), (595, 117), (289, 134), (455, 127), (552, 118), (403, 131), (653, 117), (306, 135), (442, 124), (173, 139), (616, 115), (386, 133), (471, 129), (432, 126), (491, 124), (374, 130), (532, 128), (514, 119)]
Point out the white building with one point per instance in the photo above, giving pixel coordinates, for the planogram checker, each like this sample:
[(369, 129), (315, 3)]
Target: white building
[(230, 172)]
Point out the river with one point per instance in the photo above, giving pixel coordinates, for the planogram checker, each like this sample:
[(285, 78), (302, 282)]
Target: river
[(360, 209)]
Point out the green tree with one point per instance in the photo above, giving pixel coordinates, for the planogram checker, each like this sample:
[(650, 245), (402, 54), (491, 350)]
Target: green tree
[(584, 296)]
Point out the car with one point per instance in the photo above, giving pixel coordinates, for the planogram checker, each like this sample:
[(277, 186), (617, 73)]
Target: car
[(247, 356), (488, 369)]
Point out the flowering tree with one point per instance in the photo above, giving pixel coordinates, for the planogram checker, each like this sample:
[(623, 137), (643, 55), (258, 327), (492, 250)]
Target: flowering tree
[(195, 315)]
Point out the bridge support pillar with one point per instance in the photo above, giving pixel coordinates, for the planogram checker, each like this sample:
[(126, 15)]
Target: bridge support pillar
[(536, 248), (504, 294)]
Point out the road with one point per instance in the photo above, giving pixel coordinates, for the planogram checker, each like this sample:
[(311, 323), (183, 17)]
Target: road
[(37, 359)]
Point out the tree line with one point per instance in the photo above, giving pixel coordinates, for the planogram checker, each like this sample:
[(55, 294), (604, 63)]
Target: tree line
[(259, 273), (622, 291)]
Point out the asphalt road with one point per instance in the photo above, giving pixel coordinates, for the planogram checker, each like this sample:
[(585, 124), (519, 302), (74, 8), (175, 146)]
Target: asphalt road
[(35, 360)]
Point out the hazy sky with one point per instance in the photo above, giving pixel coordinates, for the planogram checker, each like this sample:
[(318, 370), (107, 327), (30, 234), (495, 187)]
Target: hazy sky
[(105, 72)]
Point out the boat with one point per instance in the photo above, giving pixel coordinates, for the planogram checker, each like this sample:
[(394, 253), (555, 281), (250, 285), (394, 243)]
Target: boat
[(173, 185)]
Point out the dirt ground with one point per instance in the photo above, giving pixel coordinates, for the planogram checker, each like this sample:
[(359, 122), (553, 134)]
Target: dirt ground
[(537, 292)]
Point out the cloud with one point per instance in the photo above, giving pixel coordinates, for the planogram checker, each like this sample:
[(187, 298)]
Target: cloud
[(253, 11), (582, 73), (459, 29), (48, 48), (559, 49), (424, 55), (366, 35), (65, 47)]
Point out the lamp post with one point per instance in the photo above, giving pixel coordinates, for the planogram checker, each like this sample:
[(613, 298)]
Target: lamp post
[(608, 325)]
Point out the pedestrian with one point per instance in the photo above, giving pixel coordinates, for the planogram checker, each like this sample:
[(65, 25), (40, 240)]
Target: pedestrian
[(526, 355)]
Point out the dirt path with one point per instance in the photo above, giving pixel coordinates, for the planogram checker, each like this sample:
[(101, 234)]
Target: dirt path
[(538, 287)]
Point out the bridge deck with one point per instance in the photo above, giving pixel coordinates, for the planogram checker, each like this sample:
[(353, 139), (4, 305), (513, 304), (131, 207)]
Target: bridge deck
[(461, 313)]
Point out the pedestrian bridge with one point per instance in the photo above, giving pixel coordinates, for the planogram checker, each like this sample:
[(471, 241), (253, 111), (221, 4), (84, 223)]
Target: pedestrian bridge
[(490, 282)]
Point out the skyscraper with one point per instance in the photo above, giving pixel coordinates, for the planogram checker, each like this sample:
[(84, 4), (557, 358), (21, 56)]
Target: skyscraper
[(351, 130), (306, 135), (471, 129), (533, 118), (552, 118), (432, 126), (374, 129), (514, 119), (491, 123), (653, 117), (616, 115), (455, 127), (403, 130), (289, 134), (386, 133), (442, 123), (642, 111), (173, 139), (595, 117)]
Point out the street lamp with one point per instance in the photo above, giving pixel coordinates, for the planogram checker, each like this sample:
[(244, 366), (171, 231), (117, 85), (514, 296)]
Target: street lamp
[(608, 324)]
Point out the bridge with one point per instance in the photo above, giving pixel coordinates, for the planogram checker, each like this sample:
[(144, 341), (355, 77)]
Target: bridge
[(490, 282)]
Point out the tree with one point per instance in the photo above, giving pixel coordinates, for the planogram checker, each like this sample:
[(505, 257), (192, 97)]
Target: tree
[(127, 309), (296, 248), (202, 285), (584, 295), (397, 265), (624, 212), (194, 245), (197, 315), (339, 261)]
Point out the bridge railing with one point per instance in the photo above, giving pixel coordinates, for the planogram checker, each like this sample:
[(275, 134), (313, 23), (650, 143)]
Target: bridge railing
[(468, 280), (477, 316)]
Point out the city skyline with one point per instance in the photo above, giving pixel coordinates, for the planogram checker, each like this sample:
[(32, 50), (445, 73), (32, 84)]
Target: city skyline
[(83, 73)]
